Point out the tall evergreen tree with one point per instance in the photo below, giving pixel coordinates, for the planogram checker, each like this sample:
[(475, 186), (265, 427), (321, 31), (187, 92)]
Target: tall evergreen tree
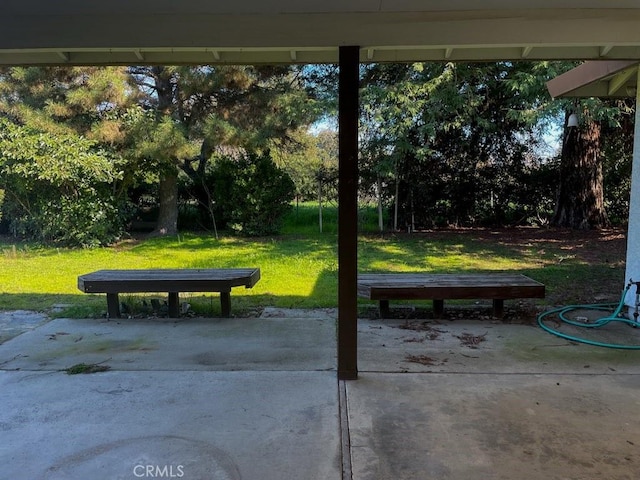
[(580, 203), (205, 108), (64, 99)]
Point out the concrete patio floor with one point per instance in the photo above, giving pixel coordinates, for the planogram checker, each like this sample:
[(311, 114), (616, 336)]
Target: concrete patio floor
[(259, 399)]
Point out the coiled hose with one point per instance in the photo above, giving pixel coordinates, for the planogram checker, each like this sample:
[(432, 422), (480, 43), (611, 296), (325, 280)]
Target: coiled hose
[(603, 307)]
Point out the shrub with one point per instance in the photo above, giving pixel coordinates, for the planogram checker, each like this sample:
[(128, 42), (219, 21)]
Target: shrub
[(251, 194), (58, 188)]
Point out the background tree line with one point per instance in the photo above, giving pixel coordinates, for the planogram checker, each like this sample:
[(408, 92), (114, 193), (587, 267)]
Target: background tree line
[(86, 152), (467, 144)]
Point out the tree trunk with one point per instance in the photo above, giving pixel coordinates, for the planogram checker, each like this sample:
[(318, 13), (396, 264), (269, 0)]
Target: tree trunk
[(200, 191), (167, 223), (580, 202), (396, 200), (379, 194), (320, 204)]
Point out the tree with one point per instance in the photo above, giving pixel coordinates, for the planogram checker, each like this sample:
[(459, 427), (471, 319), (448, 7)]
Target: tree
[(447, 141), (166, 122), (580, 202), (596, 142), (63, 98), (86, 101), (461, 144), (311, 160), (207, 109), (617, 153), (602, 137), (61, 171)]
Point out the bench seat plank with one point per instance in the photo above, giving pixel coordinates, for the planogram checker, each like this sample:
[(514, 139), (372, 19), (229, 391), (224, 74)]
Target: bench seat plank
[(168, 280), (172, 281), (439, 287)]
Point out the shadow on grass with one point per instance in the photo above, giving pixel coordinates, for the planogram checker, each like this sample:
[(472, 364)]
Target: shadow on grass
[(52, 303)]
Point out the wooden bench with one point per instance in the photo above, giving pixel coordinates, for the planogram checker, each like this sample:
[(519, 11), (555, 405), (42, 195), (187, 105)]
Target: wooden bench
[(113, 282), (440, 287)]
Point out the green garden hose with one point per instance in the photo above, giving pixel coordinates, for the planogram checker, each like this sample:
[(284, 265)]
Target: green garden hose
[(604, 307)]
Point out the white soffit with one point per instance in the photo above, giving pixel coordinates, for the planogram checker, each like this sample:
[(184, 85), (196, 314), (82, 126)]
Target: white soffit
[(310, 31)]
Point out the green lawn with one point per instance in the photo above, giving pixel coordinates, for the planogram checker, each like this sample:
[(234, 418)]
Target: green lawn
[(300, 269)]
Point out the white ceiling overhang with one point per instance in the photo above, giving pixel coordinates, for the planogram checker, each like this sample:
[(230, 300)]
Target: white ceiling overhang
[(310, 31)]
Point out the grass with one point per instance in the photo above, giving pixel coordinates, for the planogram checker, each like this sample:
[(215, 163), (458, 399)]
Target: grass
[(304, 219), (299, 268)]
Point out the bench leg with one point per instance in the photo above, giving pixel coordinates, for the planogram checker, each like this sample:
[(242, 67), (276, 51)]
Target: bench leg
[(384, 308), (498, 308), (174, 305), (225, 303), (113, 305), (438, 308)]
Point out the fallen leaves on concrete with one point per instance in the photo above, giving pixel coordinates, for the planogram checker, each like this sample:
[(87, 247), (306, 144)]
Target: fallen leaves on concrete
[(470, 340), (425, 360)]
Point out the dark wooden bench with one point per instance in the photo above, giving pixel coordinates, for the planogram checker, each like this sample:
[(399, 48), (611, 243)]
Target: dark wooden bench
[(440, 287), (113, 282)]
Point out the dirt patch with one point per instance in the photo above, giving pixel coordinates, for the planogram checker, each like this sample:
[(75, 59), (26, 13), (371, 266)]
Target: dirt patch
[(590, 246)]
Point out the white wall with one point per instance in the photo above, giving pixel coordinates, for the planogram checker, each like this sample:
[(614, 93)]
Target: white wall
[(633, 237)]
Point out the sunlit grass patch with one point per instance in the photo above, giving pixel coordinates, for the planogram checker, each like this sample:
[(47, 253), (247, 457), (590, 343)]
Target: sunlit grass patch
[(301, 270)]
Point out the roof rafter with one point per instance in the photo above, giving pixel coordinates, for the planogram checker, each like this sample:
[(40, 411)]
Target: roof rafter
[(620, 79)]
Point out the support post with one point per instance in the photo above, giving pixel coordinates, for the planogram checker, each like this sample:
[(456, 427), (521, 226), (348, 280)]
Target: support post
[(384, 308), (438, 308), (633, 234), (348, 212), (225, 303), (113, 305), (498, 308), (174, 304)]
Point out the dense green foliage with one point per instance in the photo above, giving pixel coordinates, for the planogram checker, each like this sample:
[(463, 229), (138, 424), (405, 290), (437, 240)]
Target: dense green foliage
[(617, 153), (163, 125), (463, 144), (58, 187), (61, 170), (453, 140), (251, 194)]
